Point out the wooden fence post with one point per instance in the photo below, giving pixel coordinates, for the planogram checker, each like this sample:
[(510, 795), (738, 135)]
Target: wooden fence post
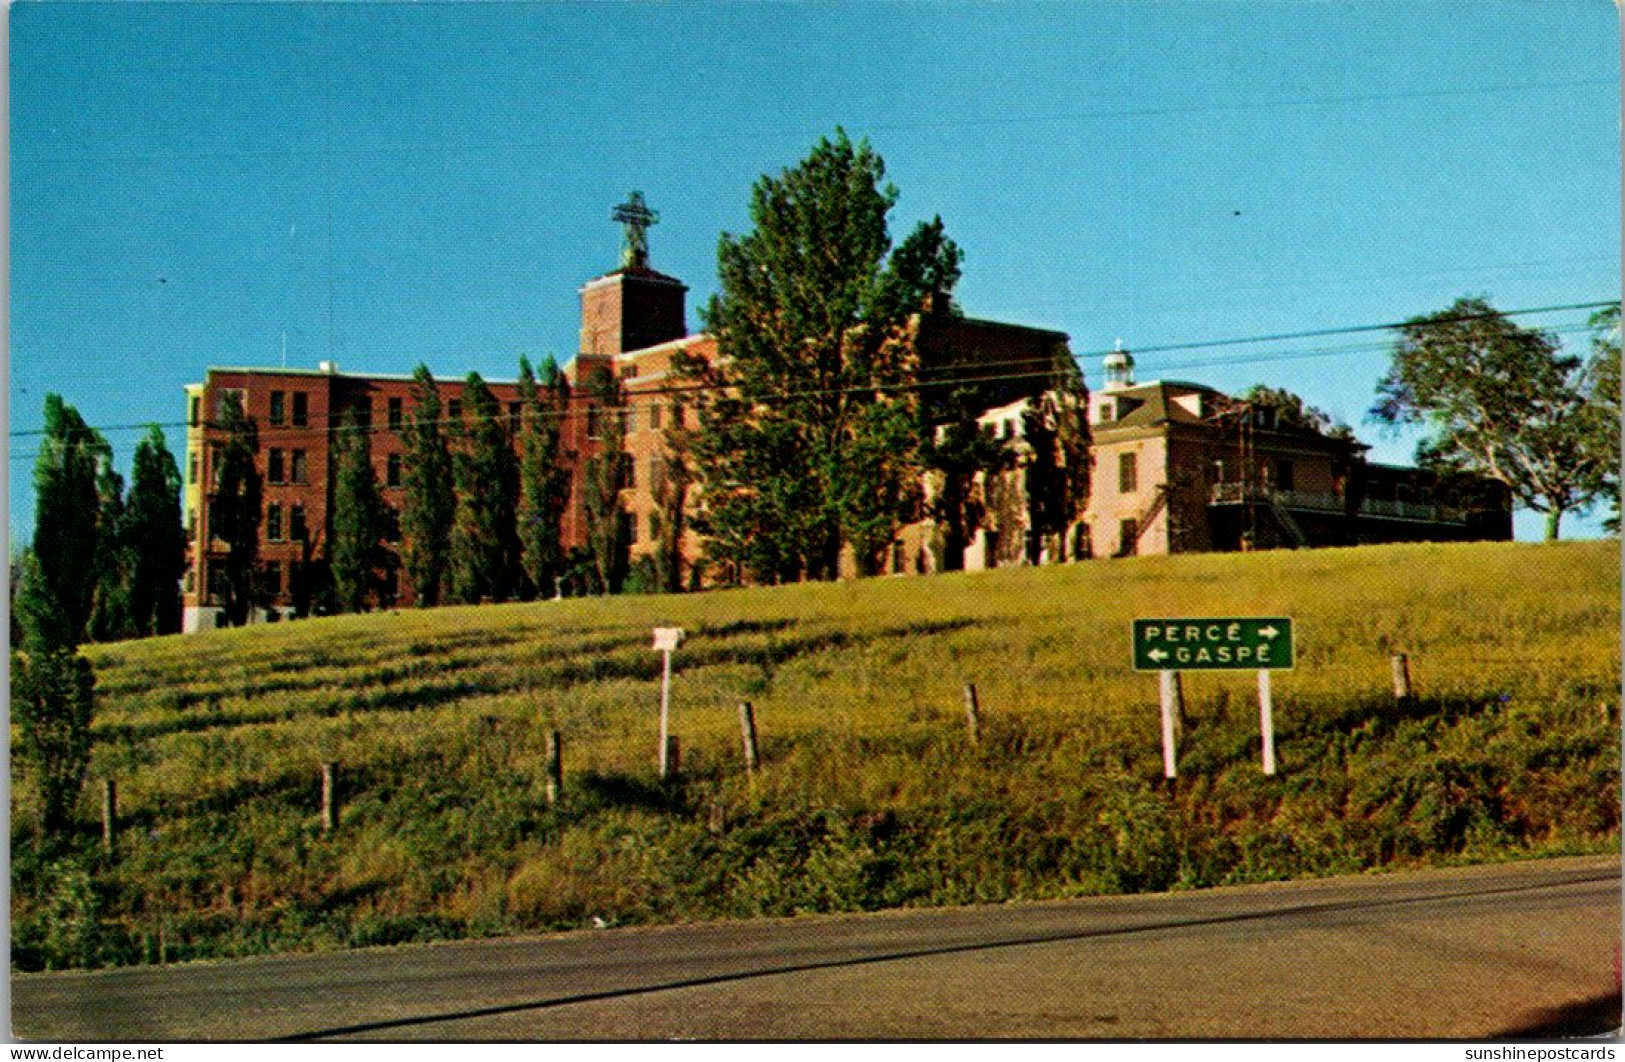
[(747, 734), (973, 721), (1402, 676), (109, 815), (330, 799), (555, 767)]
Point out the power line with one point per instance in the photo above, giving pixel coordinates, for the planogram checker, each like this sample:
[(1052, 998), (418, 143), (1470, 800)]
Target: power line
[(1045, 369), (1040, 368), (441, 148)]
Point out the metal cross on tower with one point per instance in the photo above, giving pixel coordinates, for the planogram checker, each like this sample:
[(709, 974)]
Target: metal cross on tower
[(637, 217)]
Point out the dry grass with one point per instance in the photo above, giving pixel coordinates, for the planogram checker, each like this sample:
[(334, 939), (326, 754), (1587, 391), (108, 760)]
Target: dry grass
[(869, 795)]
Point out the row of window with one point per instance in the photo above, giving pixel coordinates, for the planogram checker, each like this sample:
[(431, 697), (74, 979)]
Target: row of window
[(1279, 473), (297, 531), (292, 409)]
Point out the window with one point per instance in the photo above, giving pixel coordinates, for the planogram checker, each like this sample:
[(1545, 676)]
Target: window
[(392, 470), (191, 469), (299, 470), (363, 412), (1283, 474), (592, 422), (514, 409), (196, 412), (296, 522), (629, 472), (272, 579), (301, 409), (214, 465), (454, 412), (273, 466), (396, 414), (1128, 473), (392, 524), (273, 523), (1108, 412), (654, 416), (279, 402)]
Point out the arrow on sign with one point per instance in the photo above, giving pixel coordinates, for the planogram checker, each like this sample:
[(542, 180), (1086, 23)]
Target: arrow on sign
[(1158, 655), (1268, 632)]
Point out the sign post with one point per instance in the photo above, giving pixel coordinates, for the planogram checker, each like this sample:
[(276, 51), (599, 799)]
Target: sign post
[(1171, 696), (1220, 643), (666, 640)]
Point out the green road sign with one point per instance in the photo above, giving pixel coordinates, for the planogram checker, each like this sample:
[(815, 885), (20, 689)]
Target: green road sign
[(1215, 643)]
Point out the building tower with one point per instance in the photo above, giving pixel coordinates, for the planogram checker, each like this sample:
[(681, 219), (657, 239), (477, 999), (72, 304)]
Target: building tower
[(1119, 366), (634, 306)]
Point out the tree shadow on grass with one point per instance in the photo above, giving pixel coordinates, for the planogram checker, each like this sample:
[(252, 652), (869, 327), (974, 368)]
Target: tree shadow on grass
[(613, 790)]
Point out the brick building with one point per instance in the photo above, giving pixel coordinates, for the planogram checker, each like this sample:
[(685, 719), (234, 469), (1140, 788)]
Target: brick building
[(1177, 467)]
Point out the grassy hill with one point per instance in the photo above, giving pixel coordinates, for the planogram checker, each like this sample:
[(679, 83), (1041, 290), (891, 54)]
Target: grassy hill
[(870, 794)]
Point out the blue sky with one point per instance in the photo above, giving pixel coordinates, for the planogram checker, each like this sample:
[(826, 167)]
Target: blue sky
[(379, 185)]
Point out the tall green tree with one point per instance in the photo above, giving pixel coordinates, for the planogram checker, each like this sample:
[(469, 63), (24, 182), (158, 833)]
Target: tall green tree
[(1499, 400), (484, 539), (236, 510), (429, 500), (53, 685), (155, 536), (1603, 436), (110, 615), (808, 322), (53, 697), (670, 478), (603, 479), (956, 451), (59, 595), (544, 481), (357, 549), (1056, 478)]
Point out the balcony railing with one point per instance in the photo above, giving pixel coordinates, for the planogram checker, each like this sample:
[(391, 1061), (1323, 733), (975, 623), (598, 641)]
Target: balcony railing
[(1309, 501)]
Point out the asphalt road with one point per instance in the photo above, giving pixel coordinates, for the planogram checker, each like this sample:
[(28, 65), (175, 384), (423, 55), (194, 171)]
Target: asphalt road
[(1475, 953)]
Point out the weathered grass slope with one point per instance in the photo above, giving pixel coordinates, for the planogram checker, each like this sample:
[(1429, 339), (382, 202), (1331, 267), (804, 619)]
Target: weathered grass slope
[(870, 795)]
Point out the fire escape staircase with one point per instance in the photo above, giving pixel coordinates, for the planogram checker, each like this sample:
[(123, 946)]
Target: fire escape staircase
[(1153, 508), (1285, 518)]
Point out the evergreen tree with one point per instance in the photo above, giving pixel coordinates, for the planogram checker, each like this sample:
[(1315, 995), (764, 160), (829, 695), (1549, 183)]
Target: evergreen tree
[(110, 616), (52, 684), (59, 594), (484, 538), (603, 478), (669, 482), (1501, 401), (544, 481), (357, 551), (808, 322), (155, 536), (957, 451), (234, 514), (53, 696), (429, 500), (1056, 478)]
